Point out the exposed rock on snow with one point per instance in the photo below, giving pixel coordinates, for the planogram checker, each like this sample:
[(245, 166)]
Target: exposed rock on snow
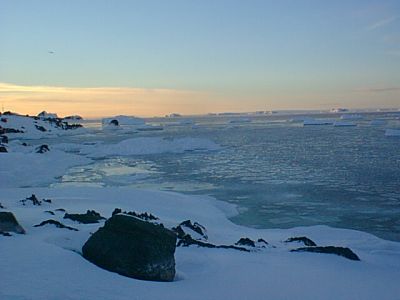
[(42, 148), (73, 118), (3, 149), (302, 239), (3, 139), (133, 248), (143, 216), (34, 200), (187, 240), (195, 227), (56, 223), (8, 223), (341, 251), (245, 242), (89, 217), (46, 115)]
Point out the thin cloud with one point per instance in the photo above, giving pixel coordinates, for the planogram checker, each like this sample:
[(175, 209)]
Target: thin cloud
[(378, 89), (382, 23)]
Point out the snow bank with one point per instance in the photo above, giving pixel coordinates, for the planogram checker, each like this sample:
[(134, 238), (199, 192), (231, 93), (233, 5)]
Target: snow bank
[(27, 168), (150, 145), (35, 127), (46, 262)]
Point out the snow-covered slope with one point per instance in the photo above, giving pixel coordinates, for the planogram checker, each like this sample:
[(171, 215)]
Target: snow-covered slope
[(46, 262)]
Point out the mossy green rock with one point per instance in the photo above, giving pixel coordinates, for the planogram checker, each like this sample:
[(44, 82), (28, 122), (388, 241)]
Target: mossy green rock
[(134, 248)]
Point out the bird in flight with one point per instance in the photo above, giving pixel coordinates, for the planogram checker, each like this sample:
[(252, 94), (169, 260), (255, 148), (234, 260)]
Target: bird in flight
[(50, 52)]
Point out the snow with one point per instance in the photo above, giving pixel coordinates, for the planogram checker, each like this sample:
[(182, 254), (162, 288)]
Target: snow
[(46, 262), (27, 168), (34, 128), (45, 115), (392, 132)]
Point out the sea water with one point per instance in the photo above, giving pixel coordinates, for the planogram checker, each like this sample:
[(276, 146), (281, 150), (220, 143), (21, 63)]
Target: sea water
[(278, 173)]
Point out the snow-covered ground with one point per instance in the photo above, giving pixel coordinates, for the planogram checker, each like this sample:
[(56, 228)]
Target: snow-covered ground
[(46, 262)]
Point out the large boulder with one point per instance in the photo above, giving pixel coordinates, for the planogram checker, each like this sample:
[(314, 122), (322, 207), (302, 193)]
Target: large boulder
[(8, 223), (134, 248)]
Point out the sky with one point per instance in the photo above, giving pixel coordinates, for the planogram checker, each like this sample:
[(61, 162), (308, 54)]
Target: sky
[(148, 58)]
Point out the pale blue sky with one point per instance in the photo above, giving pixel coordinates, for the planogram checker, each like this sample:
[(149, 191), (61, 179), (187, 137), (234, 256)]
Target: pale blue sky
[(333, 51)]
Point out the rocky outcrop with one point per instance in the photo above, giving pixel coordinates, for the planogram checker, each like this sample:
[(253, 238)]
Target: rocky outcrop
[(144, 216), (301, 239), (89, 217), (134, 248), (187, 240), (43, 149), (3, 149), (341, 251), (56, 223), (8, 223), (34, 200)]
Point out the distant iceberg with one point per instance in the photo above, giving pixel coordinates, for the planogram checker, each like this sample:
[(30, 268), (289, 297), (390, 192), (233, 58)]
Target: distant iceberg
[(240, 120), (378, 122), (351, 117), (124, 120), (344, 124), (311, 122), (392, 132)]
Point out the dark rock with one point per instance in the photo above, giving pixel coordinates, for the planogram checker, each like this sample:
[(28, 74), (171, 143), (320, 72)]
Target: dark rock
[(10, 130), (47, 200), (114, 122), (3, 149), (3, 139), (56, 223), (50, 212), (262, 241), (40, 128), (89, 217), (305, 240), (4, 120), (133, 248), (196, 227), (33, 199), (42, 148), (246, 242), (341, 251), (24, 144), (60, 209), (187, 240), (1, 206), (8, 222), (144, 216), (4, 233)]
